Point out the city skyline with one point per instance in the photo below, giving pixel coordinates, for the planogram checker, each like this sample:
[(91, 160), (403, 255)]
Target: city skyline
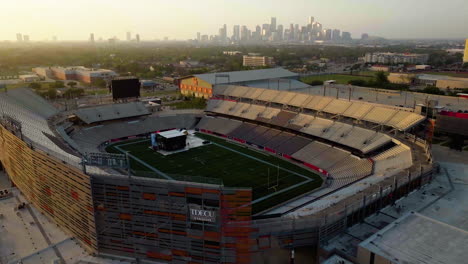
[(182, 20)]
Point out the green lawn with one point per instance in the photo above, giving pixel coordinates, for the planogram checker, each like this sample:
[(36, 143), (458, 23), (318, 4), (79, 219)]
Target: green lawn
[(97, 91), (17, 85), (234, 169), (195, 103), (339, 78)]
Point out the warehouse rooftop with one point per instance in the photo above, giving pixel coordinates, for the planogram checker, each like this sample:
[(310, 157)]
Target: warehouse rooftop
[(246, 76)]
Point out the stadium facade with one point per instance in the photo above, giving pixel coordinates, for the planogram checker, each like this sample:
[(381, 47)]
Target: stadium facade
[(190, 220)]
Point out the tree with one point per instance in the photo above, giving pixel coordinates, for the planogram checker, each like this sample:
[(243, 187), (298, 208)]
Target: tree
[(73, 92), (355, 67), (381, 77), (315, 82), (35, 86), (58, 84), (433, 90), (72, 84), (99, 83), (51, 93), (357, 82)]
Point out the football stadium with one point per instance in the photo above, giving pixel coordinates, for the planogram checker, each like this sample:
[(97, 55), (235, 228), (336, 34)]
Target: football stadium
[(258, 172)]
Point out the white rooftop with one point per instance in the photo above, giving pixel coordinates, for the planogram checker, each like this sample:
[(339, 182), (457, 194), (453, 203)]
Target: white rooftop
[(245, 76), (335, 259), (172, 133), (415, 238)]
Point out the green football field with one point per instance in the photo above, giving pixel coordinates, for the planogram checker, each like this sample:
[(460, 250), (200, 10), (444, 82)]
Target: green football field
[(272, 179)]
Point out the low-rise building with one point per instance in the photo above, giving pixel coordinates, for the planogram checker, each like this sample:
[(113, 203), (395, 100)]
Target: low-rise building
[(377, 67), (190, 64), (396, 58), (232, 53), (420, 67), (75, 73), (257, 61), (439, 81), (29, 78)]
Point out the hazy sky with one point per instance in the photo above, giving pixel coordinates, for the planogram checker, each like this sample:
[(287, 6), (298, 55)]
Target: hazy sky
[(181, 19)]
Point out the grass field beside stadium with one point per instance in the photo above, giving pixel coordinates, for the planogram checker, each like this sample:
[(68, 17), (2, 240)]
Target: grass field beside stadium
[(272, 179)]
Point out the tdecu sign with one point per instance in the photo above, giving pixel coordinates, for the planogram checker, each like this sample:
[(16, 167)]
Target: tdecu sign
[(202, 215)]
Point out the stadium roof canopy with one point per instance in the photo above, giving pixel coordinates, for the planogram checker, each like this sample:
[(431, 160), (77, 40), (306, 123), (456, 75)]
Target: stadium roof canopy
[(111, 112), (415, 238), (245, 76)]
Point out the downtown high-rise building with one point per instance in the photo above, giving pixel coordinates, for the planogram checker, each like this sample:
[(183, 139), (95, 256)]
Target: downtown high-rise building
[(280, 32), (137, 37), (91, 37), (19, 37), (244, 33), (25, 38), (222, 34), (336, 35), (291, 32), (236, 33), (327, 34), (268, 32), (273, 24), (346, 36)]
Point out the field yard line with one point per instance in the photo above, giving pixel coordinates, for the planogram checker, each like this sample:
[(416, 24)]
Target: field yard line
[(145, 164), (262, 161), (129, 143), (282, 190)]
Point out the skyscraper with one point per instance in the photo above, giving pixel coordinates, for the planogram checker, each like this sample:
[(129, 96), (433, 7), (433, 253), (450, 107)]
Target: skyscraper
[(19, 37), (26, 38), (273, 24), (327, 34), (346, 36), (258, 33), (336, 35), (91, 38), (129, 36), (244, 34), (222, 34), (198, 36), (137, 36), (291, 32), (236, 33), (364, 36), (280, 31), (465, 57), (311, 20)]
